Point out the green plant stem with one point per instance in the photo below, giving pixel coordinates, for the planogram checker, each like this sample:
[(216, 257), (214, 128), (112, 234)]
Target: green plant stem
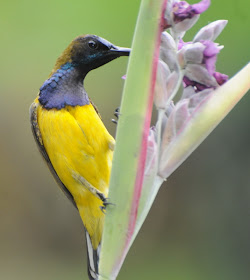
[(132, 131), (148, 196)]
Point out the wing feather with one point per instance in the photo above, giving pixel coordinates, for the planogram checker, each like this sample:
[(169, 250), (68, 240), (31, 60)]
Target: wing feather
[(38, 138)]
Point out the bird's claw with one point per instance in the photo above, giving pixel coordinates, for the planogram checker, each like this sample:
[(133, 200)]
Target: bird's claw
[(105, 203), (116, 114), (104, 206)]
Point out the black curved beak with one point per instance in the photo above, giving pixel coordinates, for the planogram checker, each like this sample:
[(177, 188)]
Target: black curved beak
[(120, 51)]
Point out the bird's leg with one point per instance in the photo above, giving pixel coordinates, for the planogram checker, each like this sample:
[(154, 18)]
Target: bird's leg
[(94, 191), (116, 114)]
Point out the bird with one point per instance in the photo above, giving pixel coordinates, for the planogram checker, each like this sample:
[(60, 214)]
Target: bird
[(72, 138)]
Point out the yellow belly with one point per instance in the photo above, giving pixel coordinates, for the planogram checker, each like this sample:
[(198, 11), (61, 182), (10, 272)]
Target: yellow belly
[(78, 143)]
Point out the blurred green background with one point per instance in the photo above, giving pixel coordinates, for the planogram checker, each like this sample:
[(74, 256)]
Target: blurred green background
[(199, 225)]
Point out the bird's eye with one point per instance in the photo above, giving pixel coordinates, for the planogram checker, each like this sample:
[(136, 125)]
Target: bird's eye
[(93, 45)]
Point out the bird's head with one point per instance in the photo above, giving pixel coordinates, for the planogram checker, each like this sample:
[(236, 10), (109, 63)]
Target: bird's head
[(88, 52)]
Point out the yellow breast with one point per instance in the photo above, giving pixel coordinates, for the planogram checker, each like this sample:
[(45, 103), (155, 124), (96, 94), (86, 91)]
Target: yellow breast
[(78, 143)]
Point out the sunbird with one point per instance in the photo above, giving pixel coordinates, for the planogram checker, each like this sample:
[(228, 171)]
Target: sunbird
[(72, 138)]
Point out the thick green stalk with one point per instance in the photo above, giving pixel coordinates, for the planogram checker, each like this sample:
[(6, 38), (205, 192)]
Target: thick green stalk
[(132, 131), (149, 193)]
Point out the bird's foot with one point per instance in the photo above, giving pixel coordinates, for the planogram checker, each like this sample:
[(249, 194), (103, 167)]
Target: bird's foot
[(116, 114), (105, 202)]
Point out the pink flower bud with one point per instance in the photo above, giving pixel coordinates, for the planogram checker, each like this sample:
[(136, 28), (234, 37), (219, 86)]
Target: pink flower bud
[(182, 16)]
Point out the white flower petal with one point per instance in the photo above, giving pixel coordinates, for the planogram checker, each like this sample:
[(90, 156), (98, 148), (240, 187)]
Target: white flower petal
[(160, 87), (210, 31), (193, 53), (199, 74), (168, 50), (188, 92), (181, 114)]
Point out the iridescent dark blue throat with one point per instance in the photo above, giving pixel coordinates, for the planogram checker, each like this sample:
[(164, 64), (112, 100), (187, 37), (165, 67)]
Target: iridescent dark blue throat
[(64, 87)]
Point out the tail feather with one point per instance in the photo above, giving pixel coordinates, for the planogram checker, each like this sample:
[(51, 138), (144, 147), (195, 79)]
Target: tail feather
[(93, 259)]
